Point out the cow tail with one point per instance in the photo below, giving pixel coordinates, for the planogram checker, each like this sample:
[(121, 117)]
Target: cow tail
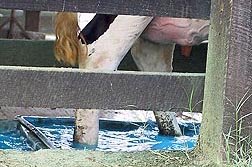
[(68, 48)]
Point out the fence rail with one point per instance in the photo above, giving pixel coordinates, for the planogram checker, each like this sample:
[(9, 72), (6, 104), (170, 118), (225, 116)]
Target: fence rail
[(172, 8), (74, 88)]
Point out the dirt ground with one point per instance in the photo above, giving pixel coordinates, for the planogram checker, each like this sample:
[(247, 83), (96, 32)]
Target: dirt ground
[(69, 158)]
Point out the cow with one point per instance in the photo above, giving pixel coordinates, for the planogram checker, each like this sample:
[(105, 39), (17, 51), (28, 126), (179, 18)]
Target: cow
[(103, 42)]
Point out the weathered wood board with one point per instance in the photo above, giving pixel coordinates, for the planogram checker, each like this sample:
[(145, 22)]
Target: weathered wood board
[(227, 104), (74, 88), (32, 20), (37, 53), (178, 8)]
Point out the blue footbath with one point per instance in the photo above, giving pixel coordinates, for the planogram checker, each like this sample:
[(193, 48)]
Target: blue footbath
[(113, 136), (11, 137)]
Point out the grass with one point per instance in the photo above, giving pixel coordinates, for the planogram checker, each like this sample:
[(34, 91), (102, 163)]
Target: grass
[(186, 152), (238, 148), (191, 109)]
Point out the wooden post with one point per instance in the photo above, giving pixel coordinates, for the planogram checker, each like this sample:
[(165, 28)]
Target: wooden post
[(12, 18), (228, 76), (32, 20)]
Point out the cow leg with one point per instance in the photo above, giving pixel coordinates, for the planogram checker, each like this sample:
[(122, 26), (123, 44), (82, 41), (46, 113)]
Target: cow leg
[(106, 53), (86, 126), (154, 57)]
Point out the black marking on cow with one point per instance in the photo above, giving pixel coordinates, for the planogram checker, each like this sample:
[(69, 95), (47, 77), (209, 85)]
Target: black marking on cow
[(97, 27)]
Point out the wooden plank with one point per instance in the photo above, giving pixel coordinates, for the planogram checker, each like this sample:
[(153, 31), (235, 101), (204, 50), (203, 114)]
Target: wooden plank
[(228, 93), (171, 8), (74, 88), (39, 53), (27, 53), (32, 21), (11, 112)]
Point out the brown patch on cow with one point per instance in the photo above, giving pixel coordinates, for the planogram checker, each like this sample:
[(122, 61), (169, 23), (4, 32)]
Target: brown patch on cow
[(186, 50)]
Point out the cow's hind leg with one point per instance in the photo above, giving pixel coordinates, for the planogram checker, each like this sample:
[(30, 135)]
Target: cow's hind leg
[(154, 57)]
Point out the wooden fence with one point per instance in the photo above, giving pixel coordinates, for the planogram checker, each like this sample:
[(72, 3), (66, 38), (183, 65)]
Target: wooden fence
[(178, 8), (228, 76), (75, 88)]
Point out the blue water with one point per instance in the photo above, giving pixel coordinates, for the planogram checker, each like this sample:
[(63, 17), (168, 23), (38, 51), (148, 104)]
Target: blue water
[(113, 135), (11, 137), (118, 136), (14, 140)]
